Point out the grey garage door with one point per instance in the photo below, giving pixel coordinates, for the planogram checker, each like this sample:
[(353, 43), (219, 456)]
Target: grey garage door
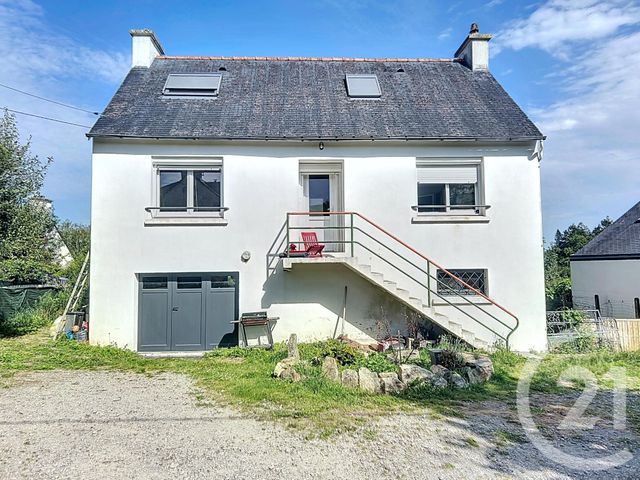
[(187, 311)]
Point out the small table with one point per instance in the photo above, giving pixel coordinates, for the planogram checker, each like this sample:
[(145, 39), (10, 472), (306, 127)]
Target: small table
[(255, 319)]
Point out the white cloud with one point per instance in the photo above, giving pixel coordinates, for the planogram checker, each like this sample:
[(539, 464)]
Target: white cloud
[(557, 24), (444, 34), (38, 60), (591, 165)]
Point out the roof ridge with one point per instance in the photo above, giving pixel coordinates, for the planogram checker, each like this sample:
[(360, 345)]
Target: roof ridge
[(315, 59)]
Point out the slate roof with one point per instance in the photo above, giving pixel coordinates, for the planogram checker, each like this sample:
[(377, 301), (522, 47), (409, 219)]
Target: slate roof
[(619, 240), (295, 98)]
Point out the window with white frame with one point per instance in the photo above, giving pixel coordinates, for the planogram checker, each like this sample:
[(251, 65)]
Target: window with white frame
[(449, 188), (189, 190), (449, 285)]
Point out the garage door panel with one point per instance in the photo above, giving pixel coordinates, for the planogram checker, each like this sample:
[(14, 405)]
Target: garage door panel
[(186, 320), (154, 331), (220, 312)]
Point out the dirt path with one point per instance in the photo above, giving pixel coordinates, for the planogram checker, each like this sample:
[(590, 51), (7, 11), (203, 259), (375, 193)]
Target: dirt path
[(94, 425)]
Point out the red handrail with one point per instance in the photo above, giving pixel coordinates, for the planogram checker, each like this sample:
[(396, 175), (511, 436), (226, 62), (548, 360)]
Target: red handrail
[(389, 234)]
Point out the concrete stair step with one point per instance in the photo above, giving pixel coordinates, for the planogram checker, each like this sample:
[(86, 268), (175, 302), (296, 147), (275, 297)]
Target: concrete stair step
[(402, 293)]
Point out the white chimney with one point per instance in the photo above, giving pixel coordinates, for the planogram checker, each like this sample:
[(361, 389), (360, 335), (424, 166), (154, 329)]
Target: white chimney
[(144, 47), (474, 51)]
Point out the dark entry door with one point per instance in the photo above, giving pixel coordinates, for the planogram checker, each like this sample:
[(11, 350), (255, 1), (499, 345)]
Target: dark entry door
[(181, 312), (187, 326)]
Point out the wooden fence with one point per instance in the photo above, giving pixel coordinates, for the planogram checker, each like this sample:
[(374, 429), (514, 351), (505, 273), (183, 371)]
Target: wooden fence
[(629, 330)]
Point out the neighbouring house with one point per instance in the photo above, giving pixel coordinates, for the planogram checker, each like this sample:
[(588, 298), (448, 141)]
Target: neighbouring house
[(605, 273), (419, 177)]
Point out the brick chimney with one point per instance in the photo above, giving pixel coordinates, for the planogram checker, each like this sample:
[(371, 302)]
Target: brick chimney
[(145, 46), (474, 51)]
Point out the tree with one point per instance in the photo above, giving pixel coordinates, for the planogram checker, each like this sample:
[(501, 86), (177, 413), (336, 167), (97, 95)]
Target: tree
[(26, 248), (557, 267), (77, 237)]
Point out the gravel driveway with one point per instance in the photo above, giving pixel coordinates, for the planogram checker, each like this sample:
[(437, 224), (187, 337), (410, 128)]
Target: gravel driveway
[(89, 425)]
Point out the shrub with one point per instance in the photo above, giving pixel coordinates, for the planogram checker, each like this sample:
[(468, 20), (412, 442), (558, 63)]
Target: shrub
[(376, 362), (451, 360), (344, 353)]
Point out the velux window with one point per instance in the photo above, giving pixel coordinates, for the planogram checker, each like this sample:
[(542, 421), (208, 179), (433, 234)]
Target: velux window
[(449, 189), (363, 86), (193, 84), (190, 190)]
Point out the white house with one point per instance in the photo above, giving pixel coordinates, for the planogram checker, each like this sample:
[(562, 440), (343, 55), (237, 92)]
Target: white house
[(605, 273), (419, 176)]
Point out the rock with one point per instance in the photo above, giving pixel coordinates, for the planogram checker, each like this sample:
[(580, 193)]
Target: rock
[(410, 373), (457, 381), (439, 382), (291, 374), (390, 382), (330, 369), (350, 378), (369, 381), (479, 368), (439, 370), (292, 346), (286, 370)]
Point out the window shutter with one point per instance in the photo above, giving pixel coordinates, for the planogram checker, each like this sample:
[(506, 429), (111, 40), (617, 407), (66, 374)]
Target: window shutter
[(320, 167), (448, 174)]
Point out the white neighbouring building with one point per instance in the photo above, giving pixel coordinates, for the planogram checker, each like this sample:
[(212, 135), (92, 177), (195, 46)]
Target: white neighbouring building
[(605, 273), (416, 175)]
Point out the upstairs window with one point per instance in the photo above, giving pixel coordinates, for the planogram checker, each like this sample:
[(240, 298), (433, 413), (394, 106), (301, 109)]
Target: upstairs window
[(184, 190), (476, 278), (449, 189), (193, 84), (363, 86)]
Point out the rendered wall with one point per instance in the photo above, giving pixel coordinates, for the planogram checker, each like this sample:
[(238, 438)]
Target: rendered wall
[(261, 183), (616, 282)]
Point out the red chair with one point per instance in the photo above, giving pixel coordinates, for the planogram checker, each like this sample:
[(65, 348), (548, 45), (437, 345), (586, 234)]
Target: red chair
[(311, 245)]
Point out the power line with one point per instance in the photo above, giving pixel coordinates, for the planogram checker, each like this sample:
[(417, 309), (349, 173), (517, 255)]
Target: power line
[(45, 118), (48, 100)]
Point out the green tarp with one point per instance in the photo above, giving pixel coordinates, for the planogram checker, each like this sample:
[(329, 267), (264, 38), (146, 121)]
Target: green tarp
[(19, 297)]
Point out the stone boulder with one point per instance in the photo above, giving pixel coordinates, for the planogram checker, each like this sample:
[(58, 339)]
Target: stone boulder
[(478, 368), (457, 381), (390, 382), (412, 373), (292, 347), (439, 382), (439, 370), (330, 369), (350, 378), (369, 381), (286, 370)]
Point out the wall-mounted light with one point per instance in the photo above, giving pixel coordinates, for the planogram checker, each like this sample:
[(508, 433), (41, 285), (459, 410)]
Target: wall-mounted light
[(321, 145), (246, 256)]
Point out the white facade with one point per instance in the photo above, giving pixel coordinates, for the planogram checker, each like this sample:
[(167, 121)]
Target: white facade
[(262, 182), (615, 282)]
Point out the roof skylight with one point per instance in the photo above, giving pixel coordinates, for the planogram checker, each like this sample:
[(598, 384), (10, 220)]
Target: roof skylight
[(363, 86), (193, 84)]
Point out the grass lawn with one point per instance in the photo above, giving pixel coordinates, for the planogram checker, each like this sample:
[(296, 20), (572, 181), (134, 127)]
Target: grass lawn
[(242, 378)]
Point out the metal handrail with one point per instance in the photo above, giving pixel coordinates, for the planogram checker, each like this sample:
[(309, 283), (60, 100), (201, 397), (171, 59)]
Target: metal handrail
[(416, 252)]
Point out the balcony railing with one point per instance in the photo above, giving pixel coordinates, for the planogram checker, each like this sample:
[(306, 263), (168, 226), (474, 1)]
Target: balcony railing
[(358, 232)]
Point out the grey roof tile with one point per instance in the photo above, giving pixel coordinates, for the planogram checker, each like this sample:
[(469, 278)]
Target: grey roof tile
[(307, 98), (621, 239)]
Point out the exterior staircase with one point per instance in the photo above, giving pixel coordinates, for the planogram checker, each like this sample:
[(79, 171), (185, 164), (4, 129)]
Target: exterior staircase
[(479, 321)]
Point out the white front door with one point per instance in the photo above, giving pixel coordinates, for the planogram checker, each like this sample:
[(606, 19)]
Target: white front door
[(322, 192)]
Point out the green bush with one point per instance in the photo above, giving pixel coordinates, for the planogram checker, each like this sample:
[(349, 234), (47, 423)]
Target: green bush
[(376, 362), (43, 313), (344, 353)]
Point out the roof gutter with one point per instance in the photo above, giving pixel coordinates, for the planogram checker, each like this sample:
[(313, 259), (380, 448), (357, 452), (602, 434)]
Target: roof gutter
[(322, 139), (620, 256)]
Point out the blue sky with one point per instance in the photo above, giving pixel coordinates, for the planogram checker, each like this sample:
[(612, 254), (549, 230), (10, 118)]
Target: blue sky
[(570, 64)]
